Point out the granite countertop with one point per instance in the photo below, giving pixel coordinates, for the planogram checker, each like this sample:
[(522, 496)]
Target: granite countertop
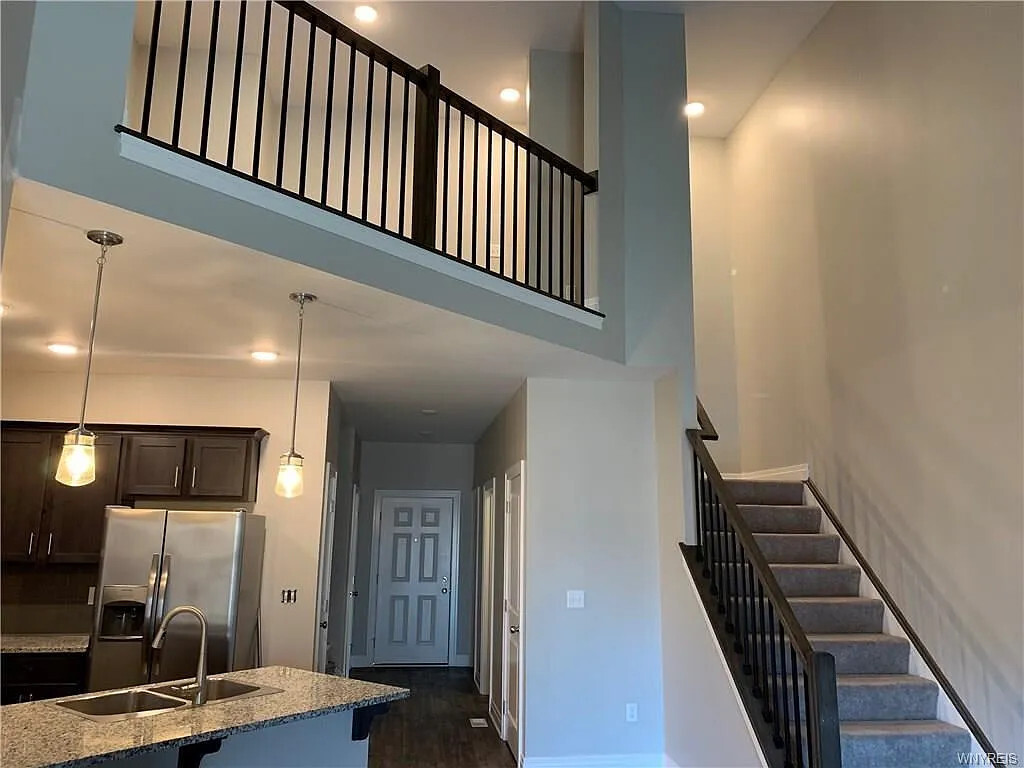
[(43, 643), (40, 733)]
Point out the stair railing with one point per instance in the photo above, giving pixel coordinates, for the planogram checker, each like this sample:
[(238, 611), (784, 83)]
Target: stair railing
[(281, 94), (788, 688)]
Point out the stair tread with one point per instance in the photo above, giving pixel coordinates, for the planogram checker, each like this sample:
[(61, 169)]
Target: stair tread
[(835, 599), (827, 566), (869, 680), (897, 728), (857, 637)]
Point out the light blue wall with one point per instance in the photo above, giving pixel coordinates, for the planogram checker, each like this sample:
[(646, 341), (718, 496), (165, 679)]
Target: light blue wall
[(16, 29)]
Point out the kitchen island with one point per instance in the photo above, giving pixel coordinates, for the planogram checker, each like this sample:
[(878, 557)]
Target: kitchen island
[(315, 720)]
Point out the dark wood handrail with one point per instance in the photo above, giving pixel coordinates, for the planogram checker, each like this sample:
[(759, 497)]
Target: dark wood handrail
[(901, 619), (707, 429)]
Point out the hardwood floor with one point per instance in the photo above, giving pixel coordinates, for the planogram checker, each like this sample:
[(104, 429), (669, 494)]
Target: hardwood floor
[(431, 728)]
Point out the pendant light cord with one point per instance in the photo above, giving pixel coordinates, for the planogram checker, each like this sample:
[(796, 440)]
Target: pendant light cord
[(298, 363), (100, 262)]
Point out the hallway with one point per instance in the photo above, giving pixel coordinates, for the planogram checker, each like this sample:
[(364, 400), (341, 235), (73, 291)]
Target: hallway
[(431, 728)]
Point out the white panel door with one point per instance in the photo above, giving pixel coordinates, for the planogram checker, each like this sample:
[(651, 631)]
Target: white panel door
[(513, 680), (350, 583), (414, 564), (323, 587)]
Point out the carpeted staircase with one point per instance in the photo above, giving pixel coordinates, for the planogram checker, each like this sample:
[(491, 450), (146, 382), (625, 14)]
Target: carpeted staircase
[(887, 716)]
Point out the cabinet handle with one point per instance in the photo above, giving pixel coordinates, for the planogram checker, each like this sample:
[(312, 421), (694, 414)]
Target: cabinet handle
[(49, 544), (31, 541), (177, 471), (194, 468)]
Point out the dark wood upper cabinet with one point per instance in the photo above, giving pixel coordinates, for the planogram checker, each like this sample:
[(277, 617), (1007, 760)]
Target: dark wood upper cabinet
[(24, 471), (154, 465), (219, 466), (74, 528)]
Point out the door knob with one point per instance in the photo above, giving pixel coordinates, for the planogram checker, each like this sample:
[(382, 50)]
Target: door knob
[(514, 629), (323, 625), (354, 593)]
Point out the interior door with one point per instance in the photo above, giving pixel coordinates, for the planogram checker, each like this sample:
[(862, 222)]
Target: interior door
[(413, 581), (513, 655), (350, 582), (323, 587)]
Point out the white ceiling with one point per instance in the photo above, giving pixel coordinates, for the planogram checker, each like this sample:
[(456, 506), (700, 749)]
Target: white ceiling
[(176, 302), (734, 49)]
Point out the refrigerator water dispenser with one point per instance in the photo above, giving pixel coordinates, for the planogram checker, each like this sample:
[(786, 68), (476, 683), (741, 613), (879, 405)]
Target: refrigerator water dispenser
[(122, 612)]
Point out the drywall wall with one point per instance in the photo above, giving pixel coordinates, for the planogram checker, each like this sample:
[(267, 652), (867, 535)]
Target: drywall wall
[(502, 445), (713, 319), (591, 523), (293, 525), (877, 237), (417, 467), (16, 25), (556, 102)]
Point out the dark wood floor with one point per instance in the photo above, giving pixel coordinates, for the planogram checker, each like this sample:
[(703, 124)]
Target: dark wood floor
[(431, 728)]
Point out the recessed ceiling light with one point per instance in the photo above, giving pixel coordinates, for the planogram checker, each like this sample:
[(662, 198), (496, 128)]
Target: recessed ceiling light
[(694, 109), (509, 95), (62, 349), (429, 412), (425, 433), (366, 13), (263, 356)]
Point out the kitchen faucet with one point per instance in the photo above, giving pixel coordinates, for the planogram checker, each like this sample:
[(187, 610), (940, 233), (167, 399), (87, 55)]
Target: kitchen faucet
[(158, 642)]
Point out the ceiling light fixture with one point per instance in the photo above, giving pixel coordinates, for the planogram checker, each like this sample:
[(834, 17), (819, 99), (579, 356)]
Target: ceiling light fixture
[(366, 13), (289, 473), (59, 348), (77, 465), (263, 356), (509, 95), (694, 109), (429, 412)]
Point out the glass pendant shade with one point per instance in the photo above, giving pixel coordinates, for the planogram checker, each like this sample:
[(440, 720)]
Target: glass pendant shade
[(77, 465), (289, 476)]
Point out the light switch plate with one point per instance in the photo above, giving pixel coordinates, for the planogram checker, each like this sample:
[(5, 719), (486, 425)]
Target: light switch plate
[(574, 598)]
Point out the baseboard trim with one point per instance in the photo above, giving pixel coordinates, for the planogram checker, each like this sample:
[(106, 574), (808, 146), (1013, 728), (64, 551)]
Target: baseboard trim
[(461, 660), (495, 716), (796, 472), (601, 761)]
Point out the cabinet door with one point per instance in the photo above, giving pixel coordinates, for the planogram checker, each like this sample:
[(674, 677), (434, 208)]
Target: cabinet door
[(218, 466), (74, 525), (24, 470), (154, 465)]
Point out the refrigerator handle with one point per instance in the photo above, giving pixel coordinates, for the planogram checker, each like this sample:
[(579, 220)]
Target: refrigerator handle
[(147, 618), (161, 598)]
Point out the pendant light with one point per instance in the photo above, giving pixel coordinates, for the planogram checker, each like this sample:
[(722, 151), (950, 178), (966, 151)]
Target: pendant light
[(77, 465), (289, 473)]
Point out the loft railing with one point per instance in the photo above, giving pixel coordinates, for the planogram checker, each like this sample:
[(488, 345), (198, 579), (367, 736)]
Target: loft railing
[(788, 688), (284, 95)]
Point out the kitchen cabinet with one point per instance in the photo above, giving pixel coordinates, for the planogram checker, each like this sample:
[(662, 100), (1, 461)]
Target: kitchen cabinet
[(74, 526), (24, 473), (154, 465), (34, 676), (219, 466)]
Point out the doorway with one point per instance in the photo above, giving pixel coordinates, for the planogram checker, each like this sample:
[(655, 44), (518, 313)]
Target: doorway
[(414, 570), (512, 644), (484, 594)]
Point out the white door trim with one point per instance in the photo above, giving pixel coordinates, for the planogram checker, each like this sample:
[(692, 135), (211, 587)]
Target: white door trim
[(323, 582), (453, 610), (517, 469), (350, 582), (483, 656)]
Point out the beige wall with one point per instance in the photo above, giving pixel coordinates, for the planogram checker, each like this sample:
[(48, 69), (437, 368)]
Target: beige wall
[(293, 525), (876, 230)]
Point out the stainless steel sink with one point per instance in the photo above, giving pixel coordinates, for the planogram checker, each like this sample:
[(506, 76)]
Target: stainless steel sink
[(217, 690), (121, 705)]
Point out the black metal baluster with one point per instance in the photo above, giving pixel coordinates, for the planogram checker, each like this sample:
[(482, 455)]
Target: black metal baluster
[(182, 62), (444, 176), (583, 249), (721, 526), (813, 740), (501, 228), (345, 177), (154, 46), (304, 158), (405, 154), (561, 233), (286, 82), (766, 691), (784, 689), (772, 628), (476, 186), (735, 568), (797, 735), (526, 221), (211, 64), (236, 83), (260, 95), (387, 149), (749, 625), (328, 120), (367, 135), (730, 545), (701, 555), (462, 163), (716, 543), (551, 226), (540, 219), (487, 208), (515, 211), (572, 240)]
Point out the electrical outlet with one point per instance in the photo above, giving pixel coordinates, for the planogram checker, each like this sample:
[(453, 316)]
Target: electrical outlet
[(92, 596), (574, 598), (631, 713), (289, 595)]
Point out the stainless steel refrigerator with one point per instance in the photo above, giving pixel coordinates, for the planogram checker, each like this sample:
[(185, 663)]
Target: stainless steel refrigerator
[(154, 560)]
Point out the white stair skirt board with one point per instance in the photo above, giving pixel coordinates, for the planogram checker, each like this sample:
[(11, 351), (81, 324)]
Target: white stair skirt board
[(796, 472), (601, 761)]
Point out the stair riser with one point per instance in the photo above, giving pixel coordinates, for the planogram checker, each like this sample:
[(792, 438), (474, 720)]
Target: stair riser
[(927, 751), (763, 519), (798, 548), (887, 702), (867, 658), (818, 582), (830, 619), (757, 492)]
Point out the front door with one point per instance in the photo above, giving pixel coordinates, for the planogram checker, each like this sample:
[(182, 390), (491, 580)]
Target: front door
[(513, 607), (414, 565)]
